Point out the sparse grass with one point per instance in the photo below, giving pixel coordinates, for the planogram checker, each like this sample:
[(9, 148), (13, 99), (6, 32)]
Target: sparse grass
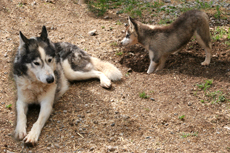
[(206, 85), (216, 97), (127, 74), (143, 95), (102, 27), (220, 33), (185, 135), (118, 23), (21, 4), (165, 21), (204, 5), (218, 12), (98, 6), (147, 109), (181, 117), (133, 7), (9, 106), (113, 44), (119, 53)]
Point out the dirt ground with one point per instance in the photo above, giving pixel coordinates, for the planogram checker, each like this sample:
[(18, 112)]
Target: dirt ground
[(89, 118)]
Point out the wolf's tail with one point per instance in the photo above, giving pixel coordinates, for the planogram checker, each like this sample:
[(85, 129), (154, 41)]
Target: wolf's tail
[(107, 68)]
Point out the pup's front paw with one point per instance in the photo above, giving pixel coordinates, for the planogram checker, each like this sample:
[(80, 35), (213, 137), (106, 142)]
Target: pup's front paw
[(20, 132), (149, 71)]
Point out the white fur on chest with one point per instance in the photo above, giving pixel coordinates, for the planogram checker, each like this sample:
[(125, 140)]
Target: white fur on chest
[(34, 91)]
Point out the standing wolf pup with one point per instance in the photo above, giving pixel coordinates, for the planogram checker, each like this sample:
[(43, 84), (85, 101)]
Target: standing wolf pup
[(160, 41), (42, 70)]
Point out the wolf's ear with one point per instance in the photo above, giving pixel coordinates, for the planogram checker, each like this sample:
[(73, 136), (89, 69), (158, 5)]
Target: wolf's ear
[(132, 23), (23, 39), (44, 34)]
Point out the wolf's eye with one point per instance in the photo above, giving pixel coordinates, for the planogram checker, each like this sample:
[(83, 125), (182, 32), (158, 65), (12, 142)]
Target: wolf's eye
[(36, 63), (128, 35), (50, 60)]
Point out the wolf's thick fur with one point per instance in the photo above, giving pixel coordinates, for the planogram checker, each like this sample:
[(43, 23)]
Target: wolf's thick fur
[(160, 41), (42, 70)]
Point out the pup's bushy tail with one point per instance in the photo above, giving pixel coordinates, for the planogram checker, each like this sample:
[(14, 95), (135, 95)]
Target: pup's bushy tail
[(110, 70)]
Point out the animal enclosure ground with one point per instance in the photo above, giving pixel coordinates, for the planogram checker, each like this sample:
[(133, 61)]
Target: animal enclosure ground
[(180, 112)]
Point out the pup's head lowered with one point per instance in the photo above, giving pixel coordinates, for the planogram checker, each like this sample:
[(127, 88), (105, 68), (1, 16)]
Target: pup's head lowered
[(131, 37), (36, 58)]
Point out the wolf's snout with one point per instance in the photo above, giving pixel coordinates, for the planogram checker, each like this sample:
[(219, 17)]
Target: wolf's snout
[(50, 79)]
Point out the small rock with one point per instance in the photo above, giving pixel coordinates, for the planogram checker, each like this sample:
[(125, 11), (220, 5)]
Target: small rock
[(129, 70), (91, 149), (166, 124), (119, 12), (33, 3), (152, 99), (77, 121), (111, 148), (167, 1), (148, 137), (93, 32), (125, 116), (64, 111), (113, 124), (189, 104), (106, 17), (56, 145), (95, 122)]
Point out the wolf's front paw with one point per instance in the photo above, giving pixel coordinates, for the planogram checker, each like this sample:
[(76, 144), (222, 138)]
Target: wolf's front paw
[(105, 82), (32, 137), (20, 132)]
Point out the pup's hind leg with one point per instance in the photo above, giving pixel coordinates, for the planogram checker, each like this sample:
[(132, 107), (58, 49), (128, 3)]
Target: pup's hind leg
[(153, 64), (162, 62), (205, 42), (81, 75)]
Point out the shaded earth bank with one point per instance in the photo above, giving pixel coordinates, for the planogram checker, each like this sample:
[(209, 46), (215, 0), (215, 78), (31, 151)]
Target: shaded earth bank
[(168, 111)]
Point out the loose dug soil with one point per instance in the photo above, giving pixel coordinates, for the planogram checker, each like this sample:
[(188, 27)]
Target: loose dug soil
[(89, 118)]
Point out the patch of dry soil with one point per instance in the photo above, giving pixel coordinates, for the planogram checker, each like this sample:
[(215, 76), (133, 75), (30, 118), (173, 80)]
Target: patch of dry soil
[(89, 118)]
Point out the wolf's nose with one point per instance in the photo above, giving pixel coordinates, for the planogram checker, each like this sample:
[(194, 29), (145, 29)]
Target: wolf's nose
[(50, 79)]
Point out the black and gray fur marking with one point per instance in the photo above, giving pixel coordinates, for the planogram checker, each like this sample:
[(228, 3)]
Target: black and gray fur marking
[(77, 57)]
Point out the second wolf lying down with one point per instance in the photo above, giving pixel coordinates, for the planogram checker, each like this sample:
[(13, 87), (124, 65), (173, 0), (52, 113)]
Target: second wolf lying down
[(160, 41), (41, 72)]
